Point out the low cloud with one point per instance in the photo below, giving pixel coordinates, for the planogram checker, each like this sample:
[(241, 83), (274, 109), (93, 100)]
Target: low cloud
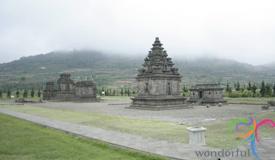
[(240, 30)]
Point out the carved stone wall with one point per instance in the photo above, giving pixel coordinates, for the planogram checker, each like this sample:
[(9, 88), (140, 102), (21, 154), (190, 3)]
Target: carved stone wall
[(206, 93)]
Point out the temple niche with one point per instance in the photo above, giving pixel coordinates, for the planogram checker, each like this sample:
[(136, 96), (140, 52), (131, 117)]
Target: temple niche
[(158, 82), (68, 90), (206, 94)]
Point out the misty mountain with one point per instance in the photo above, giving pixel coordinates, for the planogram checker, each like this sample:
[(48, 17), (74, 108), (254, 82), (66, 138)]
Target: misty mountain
[(116, 70)]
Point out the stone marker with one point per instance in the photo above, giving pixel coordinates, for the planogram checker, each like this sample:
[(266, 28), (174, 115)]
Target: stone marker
[(196, 135)]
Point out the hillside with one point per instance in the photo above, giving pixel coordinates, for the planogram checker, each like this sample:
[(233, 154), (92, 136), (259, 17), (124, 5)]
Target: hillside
[(118, 71)]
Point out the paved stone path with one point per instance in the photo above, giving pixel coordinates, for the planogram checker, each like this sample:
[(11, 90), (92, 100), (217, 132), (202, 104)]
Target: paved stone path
[(266, 148), (196, 115), (163, 148)]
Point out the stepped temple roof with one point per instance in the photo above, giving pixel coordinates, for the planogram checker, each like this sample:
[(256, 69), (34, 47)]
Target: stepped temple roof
[(158, 62), (65, 78)]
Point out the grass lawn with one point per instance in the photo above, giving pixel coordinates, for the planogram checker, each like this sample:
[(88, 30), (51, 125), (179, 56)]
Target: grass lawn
[(146, 128), (22, 140), (249, 100), (220, 134)]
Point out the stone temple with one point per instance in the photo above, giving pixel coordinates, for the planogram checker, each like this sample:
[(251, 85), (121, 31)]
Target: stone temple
[(158, 82), (206, 94), (68, 90)]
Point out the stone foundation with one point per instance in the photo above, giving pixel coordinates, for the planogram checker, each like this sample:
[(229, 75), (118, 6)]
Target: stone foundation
[(159, 103)]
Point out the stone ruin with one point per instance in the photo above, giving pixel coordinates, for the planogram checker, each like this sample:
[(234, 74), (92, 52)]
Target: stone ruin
[(68, 90), (206, 94), (271, 103), (158, 82)]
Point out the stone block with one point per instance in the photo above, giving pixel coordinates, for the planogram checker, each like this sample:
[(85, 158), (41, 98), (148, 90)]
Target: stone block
[(196, 135)]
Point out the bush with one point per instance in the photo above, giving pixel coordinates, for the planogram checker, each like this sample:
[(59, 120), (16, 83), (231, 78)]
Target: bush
[(235, 94), (247, 93)]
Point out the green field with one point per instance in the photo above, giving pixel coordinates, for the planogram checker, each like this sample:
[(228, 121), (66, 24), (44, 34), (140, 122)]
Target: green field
[(22, 140)]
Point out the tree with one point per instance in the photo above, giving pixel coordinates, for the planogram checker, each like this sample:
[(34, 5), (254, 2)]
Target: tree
[(107, 92), (39, 93), (32, 93), (249, 86), (121, 91), (254, 89), (238, 86), (228, 88), (274, 90), (8, 94), (114, 92), (1, 94), (262, 91), (268, 90), (17, 93), (25, 94), (243, 88), (102, 91), (128, 92)]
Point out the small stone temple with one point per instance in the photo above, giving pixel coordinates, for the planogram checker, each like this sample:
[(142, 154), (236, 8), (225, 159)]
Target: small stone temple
[(158, 82), (206, 94), (68, 90)]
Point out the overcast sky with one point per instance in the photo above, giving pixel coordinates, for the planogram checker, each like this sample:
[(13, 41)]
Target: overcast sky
[(242, 30)]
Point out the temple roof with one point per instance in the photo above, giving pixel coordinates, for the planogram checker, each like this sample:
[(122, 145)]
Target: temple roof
[(65, 78), (158, 62)]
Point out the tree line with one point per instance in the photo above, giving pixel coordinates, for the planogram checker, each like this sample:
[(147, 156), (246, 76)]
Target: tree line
[(250, 90), (20, 93), (232, 90)]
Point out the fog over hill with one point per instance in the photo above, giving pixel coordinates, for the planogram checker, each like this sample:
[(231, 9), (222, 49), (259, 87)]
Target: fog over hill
[(239, 30), (115, 70)]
